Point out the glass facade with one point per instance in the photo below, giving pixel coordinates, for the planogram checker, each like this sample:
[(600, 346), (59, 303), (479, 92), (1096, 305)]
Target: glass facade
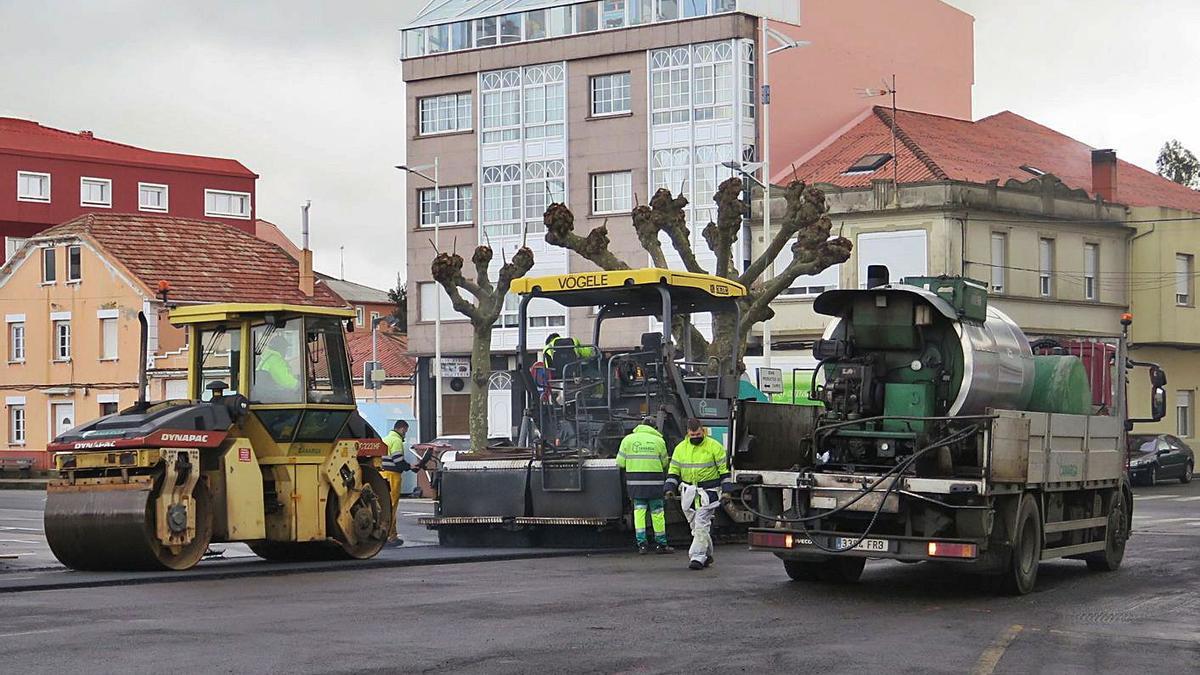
[(470, 24)]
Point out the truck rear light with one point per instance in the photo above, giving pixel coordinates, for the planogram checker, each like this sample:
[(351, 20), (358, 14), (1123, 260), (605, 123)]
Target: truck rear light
[(938, 549), (771, 539)]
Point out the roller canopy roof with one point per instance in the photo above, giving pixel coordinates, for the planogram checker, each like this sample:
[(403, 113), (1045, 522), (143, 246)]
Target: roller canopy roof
[(835, 303)]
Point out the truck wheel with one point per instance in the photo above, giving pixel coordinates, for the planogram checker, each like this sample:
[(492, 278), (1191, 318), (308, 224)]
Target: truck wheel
[(1115, 535), (841, 570), (802, 570), (1021, 575)]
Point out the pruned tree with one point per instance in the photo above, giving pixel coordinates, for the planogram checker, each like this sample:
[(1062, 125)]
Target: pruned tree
[(1178, 164), (805, 226), (488, 302)]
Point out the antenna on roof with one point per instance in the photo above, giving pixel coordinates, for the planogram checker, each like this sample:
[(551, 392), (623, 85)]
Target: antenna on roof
[(888, 90)]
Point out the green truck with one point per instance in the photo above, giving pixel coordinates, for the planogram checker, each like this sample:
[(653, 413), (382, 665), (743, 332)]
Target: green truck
[(943, 437)]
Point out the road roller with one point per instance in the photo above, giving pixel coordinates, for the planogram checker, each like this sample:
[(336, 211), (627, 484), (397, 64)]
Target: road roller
[(268, 449)]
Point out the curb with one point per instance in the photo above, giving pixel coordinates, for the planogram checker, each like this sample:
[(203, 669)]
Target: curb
[(22, 484), (260, 568)]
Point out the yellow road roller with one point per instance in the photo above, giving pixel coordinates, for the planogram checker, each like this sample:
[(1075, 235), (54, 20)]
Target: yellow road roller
[(269, 449)]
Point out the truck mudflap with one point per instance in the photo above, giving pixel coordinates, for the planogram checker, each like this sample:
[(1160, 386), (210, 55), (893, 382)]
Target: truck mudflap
[(817, 544)]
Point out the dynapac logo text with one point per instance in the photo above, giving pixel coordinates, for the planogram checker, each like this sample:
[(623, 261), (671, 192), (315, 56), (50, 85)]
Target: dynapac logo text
[(185, 438)]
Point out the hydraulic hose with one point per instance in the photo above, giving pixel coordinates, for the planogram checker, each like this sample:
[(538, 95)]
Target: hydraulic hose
[(899, 468)]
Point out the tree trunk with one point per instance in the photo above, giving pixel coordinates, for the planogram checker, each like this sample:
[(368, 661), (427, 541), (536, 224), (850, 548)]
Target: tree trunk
[(481, 372)]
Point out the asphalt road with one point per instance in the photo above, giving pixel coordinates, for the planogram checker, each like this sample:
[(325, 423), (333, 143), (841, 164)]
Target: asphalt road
[(643, 614)]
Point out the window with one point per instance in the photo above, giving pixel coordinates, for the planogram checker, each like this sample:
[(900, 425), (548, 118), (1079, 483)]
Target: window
[(724, 5), (95, 192), (414, 42), (49, 268), (1183, 413), (510, 28), (217, 358), (904, 252), (461, 35), (109, 408), (74, 263), (358, 315), (374, 317), (1184, 280), (485, 32), (278, 375), (152, 197), (445, 114), (610, 94), (16, 342), (224, 204), (999, 256), (670, 86), (612, 192), (455, 206), (437, 39), (501, 105), (1091, 262), (62, 340), (561, 21), (640, 11), (431, 294), (868, 163), (328, 378), (501, 204), (535, 24), (544, 101), (108, 339), (12, 245), (1046, 267), (695, 8), (668, 9), (587, 17), (33, 187), (545, 184), (16, 424), (612, 14)]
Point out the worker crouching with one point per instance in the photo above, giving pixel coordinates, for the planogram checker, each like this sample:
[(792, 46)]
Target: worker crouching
[(698, 472), (643, 456)]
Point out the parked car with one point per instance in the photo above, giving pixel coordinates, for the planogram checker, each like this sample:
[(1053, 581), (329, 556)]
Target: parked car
[(1157, 457)]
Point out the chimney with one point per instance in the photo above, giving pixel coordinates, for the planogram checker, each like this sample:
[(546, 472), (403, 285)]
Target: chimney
[(1104, 174), (306, 266), (86, 134)]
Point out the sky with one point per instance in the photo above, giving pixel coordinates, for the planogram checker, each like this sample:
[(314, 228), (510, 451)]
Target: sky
[(309, 95)]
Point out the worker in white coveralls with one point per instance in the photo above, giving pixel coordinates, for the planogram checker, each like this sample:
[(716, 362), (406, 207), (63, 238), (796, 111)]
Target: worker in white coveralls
[(699, 473)]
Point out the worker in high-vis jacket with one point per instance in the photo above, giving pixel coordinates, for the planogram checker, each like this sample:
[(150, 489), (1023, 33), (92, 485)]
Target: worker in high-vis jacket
[(699, 473), (394, 465), (643, 456)]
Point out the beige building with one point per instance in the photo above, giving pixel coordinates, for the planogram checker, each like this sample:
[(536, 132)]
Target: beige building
[(70, 300), (1067, 237)]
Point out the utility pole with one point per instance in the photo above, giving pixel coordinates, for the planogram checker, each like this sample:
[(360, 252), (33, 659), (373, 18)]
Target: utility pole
[(437, 296)]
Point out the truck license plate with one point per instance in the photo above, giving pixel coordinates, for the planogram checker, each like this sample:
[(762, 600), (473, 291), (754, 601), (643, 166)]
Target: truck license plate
[(874, 545)]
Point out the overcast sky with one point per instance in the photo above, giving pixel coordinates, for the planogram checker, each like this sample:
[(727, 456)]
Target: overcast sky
[(308, 94)]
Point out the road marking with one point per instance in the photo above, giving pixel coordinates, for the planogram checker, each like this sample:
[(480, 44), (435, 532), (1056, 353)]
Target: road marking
[(991, 656), (1147, 498), (30, 632), (1163, 521), (1188, 499), (22, 529), (16, 541)]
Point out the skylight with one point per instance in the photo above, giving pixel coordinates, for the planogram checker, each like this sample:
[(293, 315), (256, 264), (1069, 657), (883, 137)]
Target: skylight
[(1032, 170), (869, 163)]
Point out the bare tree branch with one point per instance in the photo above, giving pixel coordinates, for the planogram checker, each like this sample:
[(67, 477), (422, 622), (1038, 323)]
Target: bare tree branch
[(560, 231), (723, 234)]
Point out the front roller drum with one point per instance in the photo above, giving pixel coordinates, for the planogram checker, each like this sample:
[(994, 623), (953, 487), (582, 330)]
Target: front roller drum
[(113, 528)]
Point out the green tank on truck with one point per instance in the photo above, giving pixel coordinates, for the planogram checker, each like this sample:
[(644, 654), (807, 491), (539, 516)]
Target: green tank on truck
[(943, 437)]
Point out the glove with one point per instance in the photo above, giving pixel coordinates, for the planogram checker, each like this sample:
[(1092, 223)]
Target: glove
[(403, 466), (670, 494)]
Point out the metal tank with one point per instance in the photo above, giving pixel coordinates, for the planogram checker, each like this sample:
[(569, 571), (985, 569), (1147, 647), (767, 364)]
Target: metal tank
[(998, 368)]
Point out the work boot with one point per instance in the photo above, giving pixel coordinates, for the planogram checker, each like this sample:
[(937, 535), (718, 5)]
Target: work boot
[(643, 548), (695, 565), (709, 561), (663, 547), (393, 542)]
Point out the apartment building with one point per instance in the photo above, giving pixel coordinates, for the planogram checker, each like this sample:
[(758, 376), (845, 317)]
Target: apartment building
[(70, 301), (49, 176), (523, 103), (1067, 237)]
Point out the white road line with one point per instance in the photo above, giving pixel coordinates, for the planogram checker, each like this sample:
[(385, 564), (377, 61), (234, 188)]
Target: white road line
[(1163, 521), (1146, 498), (17, 541), (1188, 499), (22, 529), (30, 632)]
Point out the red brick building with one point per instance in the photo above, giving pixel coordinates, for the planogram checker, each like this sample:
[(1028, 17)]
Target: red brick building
[(49, 176)]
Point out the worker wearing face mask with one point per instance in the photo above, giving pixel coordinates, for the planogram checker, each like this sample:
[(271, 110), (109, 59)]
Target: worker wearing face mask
[(697, 471)]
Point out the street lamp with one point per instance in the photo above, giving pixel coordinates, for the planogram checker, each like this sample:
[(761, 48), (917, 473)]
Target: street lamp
[(785, 43), (437, 296)]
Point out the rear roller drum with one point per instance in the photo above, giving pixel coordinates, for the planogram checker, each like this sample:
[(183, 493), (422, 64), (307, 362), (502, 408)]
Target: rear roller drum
[(371, 517), (114, 529)]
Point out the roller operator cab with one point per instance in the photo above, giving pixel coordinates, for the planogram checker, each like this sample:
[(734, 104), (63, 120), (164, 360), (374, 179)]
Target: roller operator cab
[(268, 449), (560, 484), (944, 435)]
